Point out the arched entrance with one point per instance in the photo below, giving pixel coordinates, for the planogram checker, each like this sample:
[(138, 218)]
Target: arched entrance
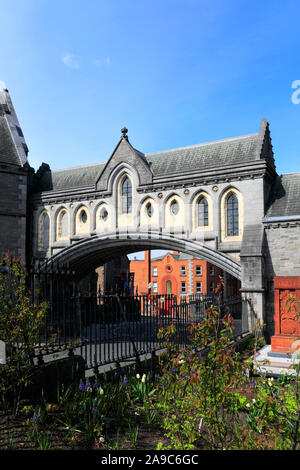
[(169, 287), (89, 253)]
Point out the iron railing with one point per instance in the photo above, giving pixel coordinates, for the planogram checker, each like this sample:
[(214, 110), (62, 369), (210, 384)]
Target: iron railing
[(108, 328)]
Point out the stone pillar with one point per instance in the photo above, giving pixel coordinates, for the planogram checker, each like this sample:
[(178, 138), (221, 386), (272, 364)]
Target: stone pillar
[(252, 282)]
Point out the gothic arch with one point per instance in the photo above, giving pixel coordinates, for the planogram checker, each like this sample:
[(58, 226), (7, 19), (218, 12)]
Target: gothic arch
[(148, 216), (174, 212), (195, 222), (44, 231), (62, 224), (82, 220), (224, 217)]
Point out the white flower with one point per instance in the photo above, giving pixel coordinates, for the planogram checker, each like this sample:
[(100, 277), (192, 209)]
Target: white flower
[(138, 376), (248, 405), (101, 391), (253, 400), (144, 378)]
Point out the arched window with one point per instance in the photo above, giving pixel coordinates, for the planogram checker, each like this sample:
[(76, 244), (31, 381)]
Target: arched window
[(82, 220), (63, 225), (44, 231), (83, 216), (126, 196), (174, 207), (149, 209), (202, 212), (232, 215)]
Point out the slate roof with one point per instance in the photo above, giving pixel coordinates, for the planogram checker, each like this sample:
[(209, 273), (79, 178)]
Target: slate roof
[(8, 151), (284, 198), (212, 154), (76, 177), (198, 157)]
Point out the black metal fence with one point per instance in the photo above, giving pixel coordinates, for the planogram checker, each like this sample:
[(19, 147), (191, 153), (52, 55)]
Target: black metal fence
[(108, 328)]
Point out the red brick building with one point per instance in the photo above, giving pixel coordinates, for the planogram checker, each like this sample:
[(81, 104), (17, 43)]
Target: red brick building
[(179, 274)]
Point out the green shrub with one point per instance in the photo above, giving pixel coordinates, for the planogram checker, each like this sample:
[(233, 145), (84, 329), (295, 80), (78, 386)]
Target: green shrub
[(20, 326)]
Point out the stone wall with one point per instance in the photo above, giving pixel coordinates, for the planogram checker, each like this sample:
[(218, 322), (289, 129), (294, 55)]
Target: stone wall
[(13, 200)]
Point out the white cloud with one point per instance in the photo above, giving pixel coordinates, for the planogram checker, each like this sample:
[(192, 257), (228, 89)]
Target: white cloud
[(70, 60), (99, 62)]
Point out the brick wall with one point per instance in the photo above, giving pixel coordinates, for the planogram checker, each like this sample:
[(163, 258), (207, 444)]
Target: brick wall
[(169, 270)]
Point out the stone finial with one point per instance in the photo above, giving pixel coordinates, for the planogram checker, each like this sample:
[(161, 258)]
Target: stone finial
[(124, 131)]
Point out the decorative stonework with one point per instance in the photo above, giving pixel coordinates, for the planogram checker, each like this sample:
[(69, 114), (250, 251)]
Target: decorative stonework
[(287, 326)]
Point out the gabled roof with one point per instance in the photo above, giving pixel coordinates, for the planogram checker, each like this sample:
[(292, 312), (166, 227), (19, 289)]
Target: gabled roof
[(208, 155), (284, 200), (176, 256), (233, 151), (8, 151)]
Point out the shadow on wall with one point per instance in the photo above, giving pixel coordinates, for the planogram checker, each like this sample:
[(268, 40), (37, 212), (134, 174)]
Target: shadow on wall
[(269, 292), (277, 192)]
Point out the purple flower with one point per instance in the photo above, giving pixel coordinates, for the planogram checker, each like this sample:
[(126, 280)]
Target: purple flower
[(81, 387), (36, 417), (125, 380), (87, 385), (94, 410)]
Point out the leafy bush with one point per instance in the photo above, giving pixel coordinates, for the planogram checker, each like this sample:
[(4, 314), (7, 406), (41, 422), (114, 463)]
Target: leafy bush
[(206, 398), (197, 395), (20, 326)]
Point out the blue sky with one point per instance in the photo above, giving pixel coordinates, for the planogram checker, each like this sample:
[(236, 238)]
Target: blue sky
[(175, 72)]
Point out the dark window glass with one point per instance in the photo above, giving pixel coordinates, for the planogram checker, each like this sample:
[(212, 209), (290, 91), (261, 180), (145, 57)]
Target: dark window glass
[(126, 196), (198, 270), (232, 215), (104, 215), (19, 130), (202, 212), (174, 207), (149, 209), (83, 217)]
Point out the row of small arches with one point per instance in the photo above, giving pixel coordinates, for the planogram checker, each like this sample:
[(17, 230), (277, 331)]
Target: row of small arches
[(202, 217)]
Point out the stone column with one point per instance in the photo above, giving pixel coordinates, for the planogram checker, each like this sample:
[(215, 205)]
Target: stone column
[(252, 282)]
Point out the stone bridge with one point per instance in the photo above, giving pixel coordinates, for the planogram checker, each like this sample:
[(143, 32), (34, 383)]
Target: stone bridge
[(208, 200), (222, 201)]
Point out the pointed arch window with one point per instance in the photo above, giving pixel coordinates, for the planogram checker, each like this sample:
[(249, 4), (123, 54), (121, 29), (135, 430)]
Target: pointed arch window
[(126, 196), (202, 212), (44, 231), (232, 212), (62, 225)]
